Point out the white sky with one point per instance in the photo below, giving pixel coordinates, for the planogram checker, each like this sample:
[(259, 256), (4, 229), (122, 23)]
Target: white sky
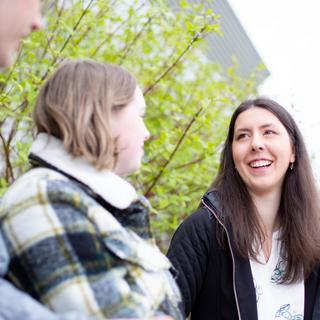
[(286, 33)]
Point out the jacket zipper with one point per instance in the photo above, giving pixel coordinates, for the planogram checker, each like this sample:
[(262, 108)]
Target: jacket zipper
[(232, 256)]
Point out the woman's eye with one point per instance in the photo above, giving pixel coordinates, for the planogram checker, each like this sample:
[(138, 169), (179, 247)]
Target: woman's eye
[(242, 136), (269, 132)]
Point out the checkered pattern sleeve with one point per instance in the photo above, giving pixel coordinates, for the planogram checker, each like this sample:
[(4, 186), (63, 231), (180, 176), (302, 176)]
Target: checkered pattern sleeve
[(4, 259), (28, 308), (61, 253)]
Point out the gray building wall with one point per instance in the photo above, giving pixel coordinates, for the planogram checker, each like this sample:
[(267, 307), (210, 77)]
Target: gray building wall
[(234, 42)]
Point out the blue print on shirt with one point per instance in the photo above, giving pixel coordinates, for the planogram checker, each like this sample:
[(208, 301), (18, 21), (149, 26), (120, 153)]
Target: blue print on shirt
[(284, 313), (278, 272)]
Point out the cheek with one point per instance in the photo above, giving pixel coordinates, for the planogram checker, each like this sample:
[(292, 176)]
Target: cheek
[(125, 142), (283, 149), (120, 141), (237, 154)]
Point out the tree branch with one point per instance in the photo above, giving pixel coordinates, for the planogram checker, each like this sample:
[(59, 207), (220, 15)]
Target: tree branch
[(75, 27), (182, 137), (89, 28), (135, 39), (6, 152), (178, 59), (185, 165), (106, 40), (53, 36)]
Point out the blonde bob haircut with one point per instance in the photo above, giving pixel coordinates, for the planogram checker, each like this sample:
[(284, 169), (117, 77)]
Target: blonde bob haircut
[(75, 105)]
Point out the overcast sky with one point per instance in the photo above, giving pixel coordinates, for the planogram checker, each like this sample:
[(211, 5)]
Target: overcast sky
[(286, 33)]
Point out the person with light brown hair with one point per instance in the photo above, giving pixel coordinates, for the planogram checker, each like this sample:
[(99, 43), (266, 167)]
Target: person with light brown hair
[(252, 249), (78, 233)]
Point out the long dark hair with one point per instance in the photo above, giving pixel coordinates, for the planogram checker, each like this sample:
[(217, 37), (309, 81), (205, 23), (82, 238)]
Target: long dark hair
[(299, 208)]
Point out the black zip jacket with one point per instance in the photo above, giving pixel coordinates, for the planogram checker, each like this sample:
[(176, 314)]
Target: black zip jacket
[(215, 283)]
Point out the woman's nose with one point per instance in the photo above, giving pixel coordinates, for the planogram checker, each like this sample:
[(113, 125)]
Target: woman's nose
[(37, 20), (37, 24), (257, 145)]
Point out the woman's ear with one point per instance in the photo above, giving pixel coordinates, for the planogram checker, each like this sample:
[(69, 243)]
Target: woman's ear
[(293, 153), (292, 158)]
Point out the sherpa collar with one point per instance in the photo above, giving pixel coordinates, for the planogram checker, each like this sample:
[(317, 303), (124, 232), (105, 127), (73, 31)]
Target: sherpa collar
[(108, 185)]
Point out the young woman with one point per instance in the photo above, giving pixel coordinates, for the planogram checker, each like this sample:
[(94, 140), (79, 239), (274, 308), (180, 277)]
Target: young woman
[(251, 250), (77, 233)]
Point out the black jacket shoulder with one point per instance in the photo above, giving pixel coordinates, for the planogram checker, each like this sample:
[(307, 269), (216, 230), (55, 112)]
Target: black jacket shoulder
[(189, 253)]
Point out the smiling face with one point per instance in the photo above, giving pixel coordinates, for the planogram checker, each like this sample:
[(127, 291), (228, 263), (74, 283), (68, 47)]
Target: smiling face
[(17, 19), (130, 133), (261, 150)]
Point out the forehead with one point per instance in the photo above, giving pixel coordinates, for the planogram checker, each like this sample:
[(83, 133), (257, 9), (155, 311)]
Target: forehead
[(25, 3), (20, 8), (256, 117)]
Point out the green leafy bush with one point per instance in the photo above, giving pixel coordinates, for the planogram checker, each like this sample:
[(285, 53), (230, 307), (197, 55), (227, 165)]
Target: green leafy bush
[(189, 99)]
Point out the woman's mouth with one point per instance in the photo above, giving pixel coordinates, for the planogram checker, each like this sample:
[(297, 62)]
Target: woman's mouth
[(260, 163)]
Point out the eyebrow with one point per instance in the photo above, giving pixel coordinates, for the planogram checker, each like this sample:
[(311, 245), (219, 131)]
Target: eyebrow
[(267, 125)]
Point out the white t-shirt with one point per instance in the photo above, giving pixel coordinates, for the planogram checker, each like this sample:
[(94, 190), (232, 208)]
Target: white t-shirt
[(275, 300)]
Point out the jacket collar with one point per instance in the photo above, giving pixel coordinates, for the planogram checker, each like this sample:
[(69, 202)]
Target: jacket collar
[(105, 183), (242, 276)]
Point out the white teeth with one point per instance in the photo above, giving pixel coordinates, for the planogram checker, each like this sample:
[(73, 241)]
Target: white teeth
[(260, 163)]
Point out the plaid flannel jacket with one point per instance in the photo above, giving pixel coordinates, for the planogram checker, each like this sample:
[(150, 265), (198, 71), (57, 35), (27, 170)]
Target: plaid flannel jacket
[(71, 253), (26, 308)]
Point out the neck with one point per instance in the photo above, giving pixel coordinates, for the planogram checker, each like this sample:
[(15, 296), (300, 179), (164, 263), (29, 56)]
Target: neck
[(268, 206)]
